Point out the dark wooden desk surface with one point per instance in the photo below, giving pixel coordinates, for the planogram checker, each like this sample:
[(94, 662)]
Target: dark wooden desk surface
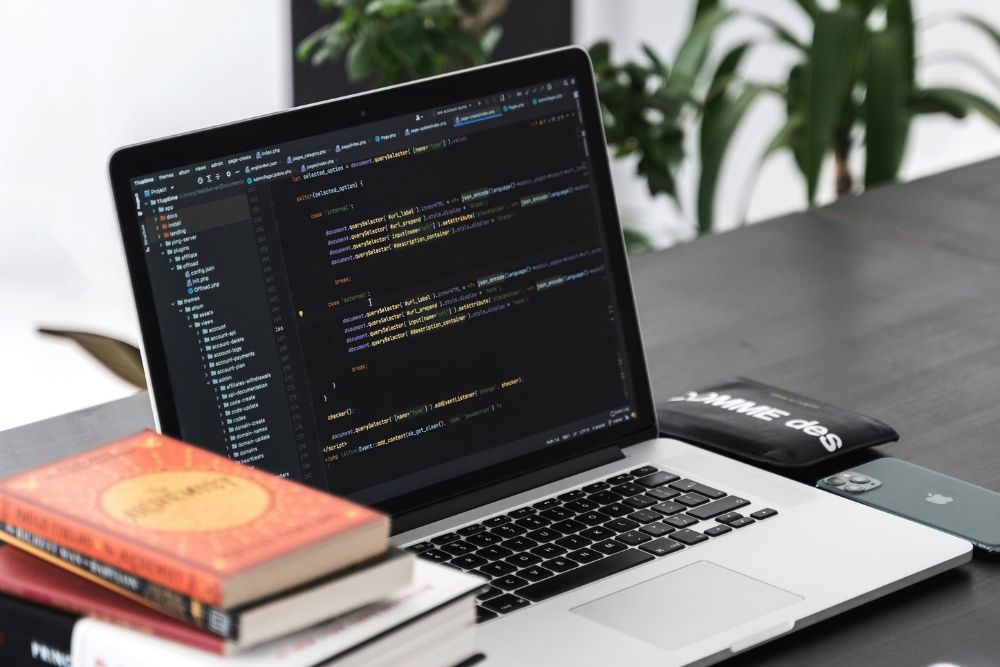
[(888, 303)]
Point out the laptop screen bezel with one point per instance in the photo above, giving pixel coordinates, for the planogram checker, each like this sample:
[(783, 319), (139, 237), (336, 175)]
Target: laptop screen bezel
[(302, 122)]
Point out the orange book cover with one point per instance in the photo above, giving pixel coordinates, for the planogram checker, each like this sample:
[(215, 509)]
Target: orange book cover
[(177, 515)]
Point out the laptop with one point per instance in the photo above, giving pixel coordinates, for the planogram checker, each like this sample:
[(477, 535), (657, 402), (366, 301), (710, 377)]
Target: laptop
[(419, 298)]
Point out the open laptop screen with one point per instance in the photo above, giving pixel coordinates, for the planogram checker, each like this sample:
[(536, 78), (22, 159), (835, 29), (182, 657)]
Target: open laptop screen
[(385, 306)]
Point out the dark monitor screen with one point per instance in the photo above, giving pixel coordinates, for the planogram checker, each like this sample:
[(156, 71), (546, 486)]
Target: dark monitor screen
[(385, 306)]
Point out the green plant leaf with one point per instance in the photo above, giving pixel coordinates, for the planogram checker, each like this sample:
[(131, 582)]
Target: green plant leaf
[(886, 114), (809, 7), (953, 101), (636, 242), (925, 102), (121, 358), (988, 29), (360, 63), (828, 80), (490, 39), (718, 126), (694, 50), (781, 32), (389, 9), (600, 55)]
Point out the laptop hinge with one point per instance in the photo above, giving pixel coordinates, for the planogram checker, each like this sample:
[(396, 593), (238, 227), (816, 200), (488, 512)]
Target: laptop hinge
[(508, 487)]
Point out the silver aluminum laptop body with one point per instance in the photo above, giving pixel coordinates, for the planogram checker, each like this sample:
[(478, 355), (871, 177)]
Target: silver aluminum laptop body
[(819, 556)]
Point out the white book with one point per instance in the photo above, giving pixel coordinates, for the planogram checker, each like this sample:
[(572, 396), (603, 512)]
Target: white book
[(432, 618)]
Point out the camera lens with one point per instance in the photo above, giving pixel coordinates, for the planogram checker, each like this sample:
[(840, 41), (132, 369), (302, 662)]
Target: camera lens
[(853, 488), (859, 479), (836, 480)]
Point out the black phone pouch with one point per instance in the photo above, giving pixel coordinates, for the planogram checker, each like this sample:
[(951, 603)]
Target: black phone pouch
[(759, 423)]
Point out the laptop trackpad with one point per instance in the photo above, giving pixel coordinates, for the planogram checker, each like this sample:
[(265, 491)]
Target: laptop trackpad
[(686, 605)]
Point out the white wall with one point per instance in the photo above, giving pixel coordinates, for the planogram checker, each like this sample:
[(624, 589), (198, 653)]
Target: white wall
[(936, 142), (77, 80)]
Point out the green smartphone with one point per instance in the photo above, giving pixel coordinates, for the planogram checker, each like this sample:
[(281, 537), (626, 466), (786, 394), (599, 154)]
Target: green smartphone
[(939, 501)]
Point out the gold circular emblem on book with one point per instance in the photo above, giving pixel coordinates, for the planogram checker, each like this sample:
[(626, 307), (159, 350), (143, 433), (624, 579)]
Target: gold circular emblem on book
[(186, 501)]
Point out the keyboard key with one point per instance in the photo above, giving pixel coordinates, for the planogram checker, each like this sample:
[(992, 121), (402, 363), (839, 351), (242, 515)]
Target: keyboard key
[(444, 539), (509, 582), (639, 502), (616, 510), (519, 543), (628, 489), (475, 528), (609, 547), (483, 615), (573, 542), (505, 603), (656, 479), (487, 592), (663, 493), (621, 525), (765, 513), (420, 546), (644, 516), (583, 575), (532, 522), (469, 561), (484, 539), (717, 507), (521, 512), (568, 526), (728, 516), (581, 505), (633, 538), (570, 495), (643, 471), (592, 518), (668, 507), (597, 533), (497, 569), (738, 523), (619, 479), (560, 564), (543, 535), (495, 553), (691, 485), (459, 548), (548, 550), (584, 555), (535, 573), (557, 513), (508, 531), (680, 521), (657, 529), (546, 504), (435, 555), (662, 546), (691, 499), (720, 529), (604, 498), (687, 536), (523, 559), (493, 522), (596, 486)]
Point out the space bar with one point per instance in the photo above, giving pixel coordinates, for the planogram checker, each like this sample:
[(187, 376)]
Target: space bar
[(583, 575)]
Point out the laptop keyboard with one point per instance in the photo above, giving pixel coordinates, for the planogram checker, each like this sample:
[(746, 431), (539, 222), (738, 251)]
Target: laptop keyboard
[(574, 538)]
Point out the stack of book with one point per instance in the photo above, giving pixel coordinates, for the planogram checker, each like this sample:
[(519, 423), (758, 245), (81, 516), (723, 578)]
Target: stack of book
[(150, 552)]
